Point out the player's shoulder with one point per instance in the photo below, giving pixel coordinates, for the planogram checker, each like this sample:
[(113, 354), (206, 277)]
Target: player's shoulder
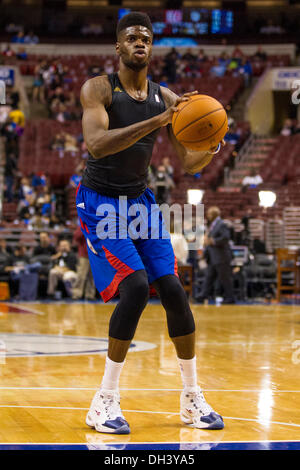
[(168, 95), (96, 89)]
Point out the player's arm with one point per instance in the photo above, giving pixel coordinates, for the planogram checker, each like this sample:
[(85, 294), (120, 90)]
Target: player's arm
[(100, 141), (192, 161)]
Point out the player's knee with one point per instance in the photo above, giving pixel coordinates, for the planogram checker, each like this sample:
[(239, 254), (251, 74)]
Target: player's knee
[(171, 290), (135, 288)]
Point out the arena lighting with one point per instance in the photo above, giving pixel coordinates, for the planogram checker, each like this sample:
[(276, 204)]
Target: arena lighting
[(194, 196), (266, 198)]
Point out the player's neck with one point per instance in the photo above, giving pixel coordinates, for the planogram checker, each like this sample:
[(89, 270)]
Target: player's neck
[(132, 80)]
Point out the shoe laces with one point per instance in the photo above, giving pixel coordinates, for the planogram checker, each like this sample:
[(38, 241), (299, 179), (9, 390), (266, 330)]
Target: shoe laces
[(198, 401), (111, 403)]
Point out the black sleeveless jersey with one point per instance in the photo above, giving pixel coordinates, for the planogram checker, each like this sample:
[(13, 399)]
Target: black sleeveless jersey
[(125, 172)]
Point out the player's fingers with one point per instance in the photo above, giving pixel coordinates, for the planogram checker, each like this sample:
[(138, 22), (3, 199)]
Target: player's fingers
[(190, 93)]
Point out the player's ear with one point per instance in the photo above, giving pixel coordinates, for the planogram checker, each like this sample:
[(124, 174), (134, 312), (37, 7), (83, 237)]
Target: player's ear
[(118, 47)]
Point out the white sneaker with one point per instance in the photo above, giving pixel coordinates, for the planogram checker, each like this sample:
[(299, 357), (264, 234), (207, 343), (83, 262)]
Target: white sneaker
[(105, 414), (195, 412)]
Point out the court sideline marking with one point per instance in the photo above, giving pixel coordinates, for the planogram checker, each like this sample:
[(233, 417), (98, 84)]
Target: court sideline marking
[(151, 389), (147, 412)]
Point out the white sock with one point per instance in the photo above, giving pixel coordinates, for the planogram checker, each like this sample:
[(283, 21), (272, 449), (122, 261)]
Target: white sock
[(188, 372), (112, 374)]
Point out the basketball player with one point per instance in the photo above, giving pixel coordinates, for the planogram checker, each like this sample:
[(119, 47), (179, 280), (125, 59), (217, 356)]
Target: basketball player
[(122, 115)]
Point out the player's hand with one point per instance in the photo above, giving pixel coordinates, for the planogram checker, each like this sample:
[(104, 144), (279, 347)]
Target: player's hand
[(167, 115)]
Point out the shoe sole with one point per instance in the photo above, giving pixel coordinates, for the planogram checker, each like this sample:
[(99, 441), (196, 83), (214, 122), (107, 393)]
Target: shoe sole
[(218, 424), (122, 430)]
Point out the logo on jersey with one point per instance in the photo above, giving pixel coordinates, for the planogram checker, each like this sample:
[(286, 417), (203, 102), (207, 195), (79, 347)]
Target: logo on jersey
[(91, 246), (118, 89), (157, 99), (81, 205)]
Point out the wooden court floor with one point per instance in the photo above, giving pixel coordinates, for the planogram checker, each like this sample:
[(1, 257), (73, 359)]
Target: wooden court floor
[(50, 367)]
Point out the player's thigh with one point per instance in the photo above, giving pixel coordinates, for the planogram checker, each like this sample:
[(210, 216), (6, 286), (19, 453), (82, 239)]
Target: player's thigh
[(111, 262), (158, 257)]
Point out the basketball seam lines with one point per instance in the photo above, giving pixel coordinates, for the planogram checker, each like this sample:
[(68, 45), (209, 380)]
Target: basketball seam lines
[(199, 119), (206, 138), (198, 99)]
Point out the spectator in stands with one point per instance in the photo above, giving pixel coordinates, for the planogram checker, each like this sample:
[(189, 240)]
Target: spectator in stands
[(84, 285), (238, 53), (56, 82), (9, 131), (64, 268), (245, 234), (44, 247), (77, 176), (108, 67), (170, 65), (10, 171), (167, 164), (84, 150), (58, 142), (233, 65), (31, 38), (245, 69), (163, 184), (58, 97), (189, 56), (260, 54), (44, 204), (164, 81), (62, 114), (21, 54), (26, 209), (180, 246), (18, 117), (8, 51), (94, 70), (38, 93), (233, 135), (288, 128), (18, 38), (56, 223), (201, 56), (223, 59), (217, 69), (218, 256), (25, 188), (4, 112), (38, 221), (17, 263), (12, 96), (70, 143), (21, 266), (252, 180), (38, 180), (151, 177), (4, 250)]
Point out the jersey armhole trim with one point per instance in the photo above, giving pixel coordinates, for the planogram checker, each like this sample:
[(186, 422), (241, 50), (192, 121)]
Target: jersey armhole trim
[(111, 79)]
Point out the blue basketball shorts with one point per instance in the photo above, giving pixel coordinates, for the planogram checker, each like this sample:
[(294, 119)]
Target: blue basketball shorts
[(124, 235)]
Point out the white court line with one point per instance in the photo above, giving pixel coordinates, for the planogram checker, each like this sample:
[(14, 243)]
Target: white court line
[(148, 442), (147, 412), (151, 389)]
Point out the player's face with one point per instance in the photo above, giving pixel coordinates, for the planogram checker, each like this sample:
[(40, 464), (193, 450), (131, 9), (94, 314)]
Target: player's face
[(135, 47)]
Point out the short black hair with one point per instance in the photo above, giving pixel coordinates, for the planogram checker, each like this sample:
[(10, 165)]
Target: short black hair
[(132, 19)]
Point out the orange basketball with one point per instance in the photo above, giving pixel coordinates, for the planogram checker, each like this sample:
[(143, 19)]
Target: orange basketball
[(200, 123)]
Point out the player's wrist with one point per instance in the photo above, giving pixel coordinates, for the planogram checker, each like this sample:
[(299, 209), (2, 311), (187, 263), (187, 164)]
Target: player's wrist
[(215, 150)]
